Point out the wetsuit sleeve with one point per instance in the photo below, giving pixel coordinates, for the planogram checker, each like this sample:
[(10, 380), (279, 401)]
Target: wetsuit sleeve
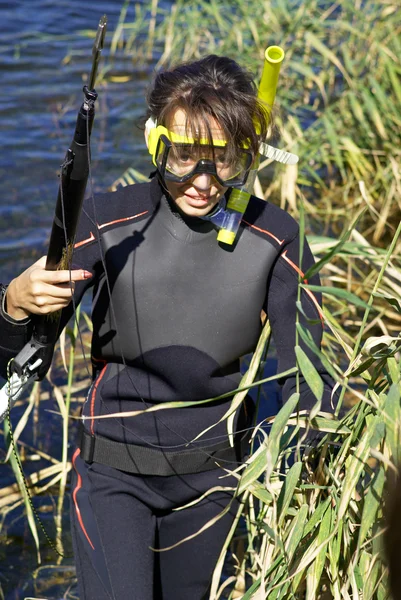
[(282, 311), (16, 333)]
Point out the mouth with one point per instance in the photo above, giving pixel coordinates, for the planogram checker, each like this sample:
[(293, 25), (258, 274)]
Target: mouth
[(198, 196), (198, 200)]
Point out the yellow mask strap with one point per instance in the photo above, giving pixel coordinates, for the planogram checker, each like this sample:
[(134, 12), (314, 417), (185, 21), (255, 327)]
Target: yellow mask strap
[(154, 132)]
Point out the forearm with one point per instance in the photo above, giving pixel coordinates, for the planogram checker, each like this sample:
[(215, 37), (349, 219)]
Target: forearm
[(14, 333)]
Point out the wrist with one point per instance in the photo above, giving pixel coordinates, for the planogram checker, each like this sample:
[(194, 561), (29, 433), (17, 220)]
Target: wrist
[(10, 303)]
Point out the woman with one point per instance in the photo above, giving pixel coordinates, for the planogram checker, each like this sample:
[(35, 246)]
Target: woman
[(173, 312)]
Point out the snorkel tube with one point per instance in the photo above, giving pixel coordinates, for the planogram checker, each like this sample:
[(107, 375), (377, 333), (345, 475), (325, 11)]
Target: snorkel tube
[(230, 217)]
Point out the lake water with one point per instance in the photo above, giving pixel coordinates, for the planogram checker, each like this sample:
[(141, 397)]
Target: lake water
[(44, 62)]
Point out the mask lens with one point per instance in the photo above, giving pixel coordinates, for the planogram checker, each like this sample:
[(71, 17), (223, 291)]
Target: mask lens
[(232, 169), (180, 162), (182, 159)]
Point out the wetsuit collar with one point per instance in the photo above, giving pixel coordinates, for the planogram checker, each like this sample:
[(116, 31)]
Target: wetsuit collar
[(196, 224), (180, 221)]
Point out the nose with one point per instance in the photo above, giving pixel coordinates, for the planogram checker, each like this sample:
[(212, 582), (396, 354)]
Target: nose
[(203, 181)]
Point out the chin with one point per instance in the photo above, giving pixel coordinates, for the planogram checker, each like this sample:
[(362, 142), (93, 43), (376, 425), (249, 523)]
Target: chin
[(190, 211), (193, 211), (196, 208)]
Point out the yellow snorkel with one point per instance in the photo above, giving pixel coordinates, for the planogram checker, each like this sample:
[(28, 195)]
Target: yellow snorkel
[(274, 56), (239, 198)]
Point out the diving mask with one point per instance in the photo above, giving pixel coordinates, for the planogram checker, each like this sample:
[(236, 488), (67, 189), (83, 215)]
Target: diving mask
[(178, 158)]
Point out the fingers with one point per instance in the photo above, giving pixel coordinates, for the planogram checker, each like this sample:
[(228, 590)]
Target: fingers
[(53, 290), (60, 291), (37, 291), (41, 262), (46, 305), (56, 277)]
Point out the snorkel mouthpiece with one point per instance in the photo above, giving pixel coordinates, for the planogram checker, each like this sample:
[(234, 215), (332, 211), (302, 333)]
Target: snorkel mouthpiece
[(239, 197), (228, 220)]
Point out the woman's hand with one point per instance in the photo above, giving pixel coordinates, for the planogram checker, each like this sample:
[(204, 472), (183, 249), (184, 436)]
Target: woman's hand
[(40, 292)]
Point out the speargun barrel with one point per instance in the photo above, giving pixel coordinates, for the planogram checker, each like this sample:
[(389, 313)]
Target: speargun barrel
[(73, 180)]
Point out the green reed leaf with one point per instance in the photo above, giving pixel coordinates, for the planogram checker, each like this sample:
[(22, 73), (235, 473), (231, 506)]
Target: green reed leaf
[(265, 457), (394, 302), (356, 464), (279, 424), (16, 465), (372, 502), (334, 551), (394, 75), (327, 53), (307, 338), (247, 379), (315, 571), (317, 516), (373, 112), (271, 568), (259, 491), (256, 466), (296, 532), (337, 247), (311, 376), (393, 367), (392, 416), (287, 491), (349, 297)]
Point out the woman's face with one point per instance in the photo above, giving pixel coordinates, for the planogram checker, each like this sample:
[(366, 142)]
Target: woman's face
[(200, 194)]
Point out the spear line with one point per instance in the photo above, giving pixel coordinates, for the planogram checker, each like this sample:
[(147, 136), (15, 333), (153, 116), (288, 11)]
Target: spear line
[(34, 360)]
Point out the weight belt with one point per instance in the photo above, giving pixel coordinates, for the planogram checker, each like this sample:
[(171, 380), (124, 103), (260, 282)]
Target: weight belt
[(144, 460)]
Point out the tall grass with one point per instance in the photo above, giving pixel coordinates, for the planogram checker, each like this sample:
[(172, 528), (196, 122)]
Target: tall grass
[(314, 519)]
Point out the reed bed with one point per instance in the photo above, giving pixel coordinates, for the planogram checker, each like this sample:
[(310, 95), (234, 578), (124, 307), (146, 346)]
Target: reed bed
[(312, 521)]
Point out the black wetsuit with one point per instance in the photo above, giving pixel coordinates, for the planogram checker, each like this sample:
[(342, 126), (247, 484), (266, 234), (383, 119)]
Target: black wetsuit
[(183, 310)]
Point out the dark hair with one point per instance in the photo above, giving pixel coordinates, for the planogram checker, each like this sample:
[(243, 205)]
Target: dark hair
[(217, 87)]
